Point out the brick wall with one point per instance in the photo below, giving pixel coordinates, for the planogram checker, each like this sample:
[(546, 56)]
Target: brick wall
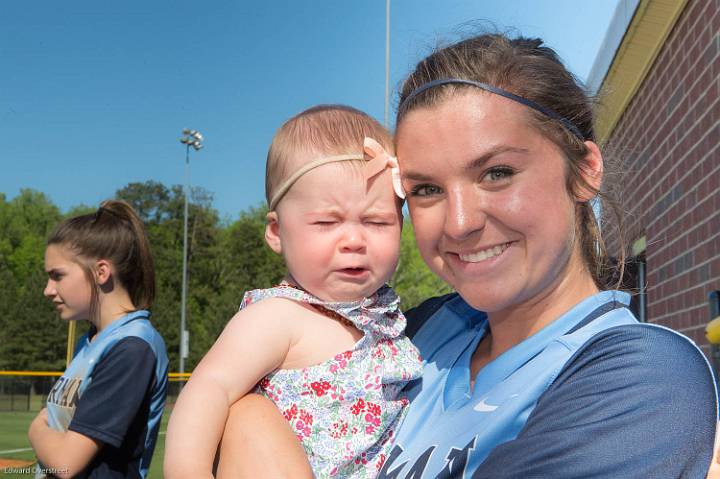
[(670, 139)]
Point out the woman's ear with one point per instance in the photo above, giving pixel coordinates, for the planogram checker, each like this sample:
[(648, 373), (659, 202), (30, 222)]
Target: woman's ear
[(272, 232), (103, 271), (591, 170)]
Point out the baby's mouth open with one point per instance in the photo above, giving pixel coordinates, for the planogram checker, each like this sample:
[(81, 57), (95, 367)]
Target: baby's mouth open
[(353, 271)]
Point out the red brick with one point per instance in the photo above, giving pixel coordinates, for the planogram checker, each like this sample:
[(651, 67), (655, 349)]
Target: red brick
[(682, 148)]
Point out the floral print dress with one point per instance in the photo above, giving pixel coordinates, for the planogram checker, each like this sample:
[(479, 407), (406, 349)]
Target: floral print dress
[(345, 410)]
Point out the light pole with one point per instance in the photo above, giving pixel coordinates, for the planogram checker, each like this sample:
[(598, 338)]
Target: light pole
[(191, 138), (387, 64)]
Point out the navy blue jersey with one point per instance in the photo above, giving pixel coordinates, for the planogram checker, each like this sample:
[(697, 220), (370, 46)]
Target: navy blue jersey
[(114, 391), (607, 397)]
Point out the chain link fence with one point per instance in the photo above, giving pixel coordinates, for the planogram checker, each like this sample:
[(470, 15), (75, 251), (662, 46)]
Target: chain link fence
[(28, 390)]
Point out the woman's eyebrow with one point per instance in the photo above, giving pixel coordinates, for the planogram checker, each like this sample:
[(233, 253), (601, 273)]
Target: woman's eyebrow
[(415, 176), (472, 165), (487, 156)]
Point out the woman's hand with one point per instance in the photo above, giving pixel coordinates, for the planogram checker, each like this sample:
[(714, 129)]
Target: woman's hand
[(67, 453), (42, 417), (38, 424)]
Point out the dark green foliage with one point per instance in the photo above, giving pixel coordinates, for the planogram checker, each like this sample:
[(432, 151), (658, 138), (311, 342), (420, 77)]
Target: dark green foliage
[(413, 280), (224, 261), (29, 338)]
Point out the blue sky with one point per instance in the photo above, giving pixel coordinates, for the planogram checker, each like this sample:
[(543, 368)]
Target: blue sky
[(94, 95)]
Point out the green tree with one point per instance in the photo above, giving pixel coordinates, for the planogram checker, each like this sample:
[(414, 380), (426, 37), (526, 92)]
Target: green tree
[(151, 200), (31, 335), (413, 280), (243, 262), (162, 210), (225, 259)]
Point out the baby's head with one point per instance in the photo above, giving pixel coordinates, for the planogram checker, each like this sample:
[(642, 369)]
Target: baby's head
[(336, 224)]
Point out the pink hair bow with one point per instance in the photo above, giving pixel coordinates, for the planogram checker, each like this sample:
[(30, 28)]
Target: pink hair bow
[(379, 160)]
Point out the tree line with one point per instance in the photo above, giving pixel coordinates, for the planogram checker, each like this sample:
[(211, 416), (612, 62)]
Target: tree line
[(225, 258)]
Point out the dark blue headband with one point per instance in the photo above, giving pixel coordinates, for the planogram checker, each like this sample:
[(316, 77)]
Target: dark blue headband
[(498, 91)]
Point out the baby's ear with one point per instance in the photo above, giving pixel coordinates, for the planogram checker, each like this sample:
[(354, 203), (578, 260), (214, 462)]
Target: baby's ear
[(591, 171), (272, 232)]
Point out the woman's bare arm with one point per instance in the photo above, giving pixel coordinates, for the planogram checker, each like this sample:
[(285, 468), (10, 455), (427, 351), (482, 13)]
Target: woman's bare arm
[(258, 442)]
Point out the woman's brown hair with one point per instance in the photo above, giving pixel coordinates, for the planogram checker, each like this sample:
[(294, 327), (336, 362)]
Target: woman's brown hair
[(115, 233), (527, 68)]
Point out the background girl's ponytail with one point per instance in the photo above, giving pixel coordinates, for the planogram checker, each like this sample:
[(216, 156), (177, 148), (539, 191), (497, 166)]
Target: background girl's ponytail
[(140, 266)]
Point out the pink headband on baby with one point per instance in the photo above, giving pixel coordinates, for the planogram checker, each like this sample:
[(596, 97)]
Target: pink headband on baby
[(377, 160)]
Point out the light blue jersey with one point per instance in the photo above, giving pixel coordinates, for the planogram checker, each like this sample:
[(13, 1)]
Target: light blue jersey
[(450, 429), (70, 389)]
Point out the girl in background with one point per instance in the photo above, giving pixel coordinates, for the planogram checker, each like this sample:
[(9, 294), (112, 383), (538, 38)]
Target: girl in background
[(103, 414)]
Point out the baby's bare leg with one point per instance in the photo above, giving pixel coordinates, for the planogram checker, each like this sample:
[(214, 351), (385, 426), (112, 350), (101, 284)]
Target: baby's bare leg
[(258, 442)]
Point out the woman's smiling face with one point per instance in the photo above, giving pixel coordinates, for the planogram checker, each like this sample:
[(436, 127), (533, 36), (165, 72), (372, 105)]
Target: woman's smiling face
[(488, 200)]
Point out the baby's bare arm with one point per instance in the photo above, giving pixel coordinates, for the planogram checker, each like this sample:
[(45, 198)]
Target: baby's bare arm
[(254, 343)]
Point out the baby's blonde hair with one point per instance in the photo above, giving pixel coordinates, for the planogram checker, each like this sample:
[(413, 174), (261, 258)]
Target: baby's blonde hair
[(322, 130)]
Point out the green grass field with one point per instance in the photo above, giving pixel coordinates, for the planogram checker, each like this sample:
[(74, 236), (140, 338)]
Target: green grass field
[(13, 436)]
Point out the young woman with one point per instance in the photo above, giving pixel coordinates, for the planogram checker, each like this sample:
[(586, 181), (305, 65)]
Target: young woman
[(535, 367), (555, 378), (103, 414)]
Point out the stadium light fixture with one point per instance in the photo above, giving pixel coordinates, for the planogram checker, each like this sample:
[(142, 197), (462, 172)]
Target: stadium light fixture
[(193, 139)]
